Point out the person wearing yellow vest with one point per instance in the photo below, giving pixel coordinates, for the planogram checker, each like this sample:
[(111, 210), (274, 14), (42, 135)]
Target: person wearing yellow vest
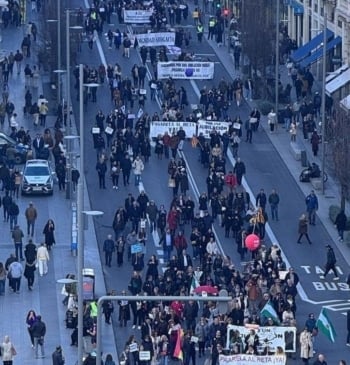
[(200, 30), (212, 23), (93, 309)]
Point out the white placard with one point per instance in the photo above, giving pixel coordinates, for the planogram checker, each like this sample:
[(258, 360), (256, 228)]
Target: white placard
[(145, 355), (109, 130), (95, 130), (185, 70), (272, 336), (137, 16), (160, 127), (133, 347), (156, 39), (207, 126), (245, 359)]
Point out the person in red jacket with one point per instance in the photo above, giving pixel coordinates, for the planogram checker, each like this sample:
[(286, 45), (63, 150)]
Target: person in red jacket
[(180, 243), (230, 181)]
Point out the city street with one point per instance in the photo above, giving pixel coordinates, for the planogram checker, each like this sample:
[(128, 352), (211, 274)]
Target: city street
[(265, 169)]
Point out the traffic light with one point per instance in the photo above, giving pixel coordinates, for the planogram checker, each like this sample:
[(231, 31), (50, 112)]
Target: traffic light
[(225, 12), (218, 4)]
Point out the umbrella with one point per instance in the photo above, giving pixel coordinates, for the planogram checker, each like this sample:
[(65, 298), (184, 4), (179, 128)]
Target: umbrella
[(206, 289)]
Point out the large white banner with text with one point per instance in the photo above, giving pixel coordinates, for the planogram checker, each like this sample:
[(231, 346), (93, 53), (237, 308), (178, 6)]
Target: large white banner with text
[(185, 70), (160, 127), (156, 39), (207, 126), (244, 359), (137, 16), (271, 337)]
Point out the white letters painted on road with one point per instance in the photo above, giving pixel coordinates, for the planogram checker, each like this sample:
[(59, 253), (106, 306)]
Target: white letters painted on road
[(330, 286)]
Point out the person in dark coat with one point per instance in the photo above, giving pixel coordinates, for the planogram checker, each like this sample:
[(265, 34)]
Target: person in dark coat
[(57, 356), (340, 223), (240, 170), (108, 309), (330, 264), (303, 228), (61, 175), (124, 311), (29, 270), (49, 232), (101, 168)]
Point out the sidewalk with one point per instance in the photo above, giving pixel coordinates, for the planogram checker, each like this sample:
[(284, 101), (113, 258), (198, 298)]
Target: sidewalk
[(46, 298), (281, 141)]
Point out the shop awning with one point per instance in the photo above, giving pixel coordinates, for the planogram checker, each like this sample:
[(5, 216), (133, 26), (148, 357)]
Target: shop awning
[(297, 7), (336, 73), (318, 54), (307, 48), (338, 82)]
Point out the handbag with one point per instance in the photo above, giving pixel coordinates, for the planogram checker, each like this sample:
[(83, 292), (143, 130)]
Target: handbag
[(171, 183)]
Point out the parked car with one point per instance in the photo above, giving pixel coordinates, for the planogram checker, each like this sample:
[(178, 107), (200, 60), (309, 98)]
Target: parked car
[(21, 149), (38, 178)]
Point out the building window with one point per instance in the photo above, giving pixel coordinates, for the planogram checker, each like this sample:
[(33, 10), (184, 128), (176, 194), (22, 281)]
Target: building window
[(340, 24), (316, 8), (322, 11)]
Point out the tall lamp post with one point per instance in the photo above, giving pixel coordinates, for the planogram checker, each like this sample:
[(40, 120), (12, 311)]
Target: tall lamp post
[(277, 61), (323, 94), (80, 219), (68, 101)]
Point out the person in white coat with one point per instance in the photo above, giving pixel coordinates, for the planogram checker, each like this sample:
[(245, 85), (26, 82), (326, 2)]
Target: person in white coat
[(7, 351), (42, 257), (138, 167), (306, 346), (212, 247)]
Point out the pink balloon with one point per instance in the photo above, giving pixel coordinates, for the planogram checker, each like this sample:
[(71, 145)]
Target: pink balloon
[(252, 242)]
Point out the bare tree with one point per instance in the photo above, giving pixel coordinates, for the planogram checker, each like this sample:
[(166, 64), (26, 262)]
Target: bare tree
[(258, 36), (338, 136)]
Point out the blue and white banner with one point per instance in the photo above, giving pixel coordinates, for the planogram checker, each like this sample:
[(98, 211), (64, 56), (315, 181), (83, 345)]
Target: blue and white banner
[(185, 70)]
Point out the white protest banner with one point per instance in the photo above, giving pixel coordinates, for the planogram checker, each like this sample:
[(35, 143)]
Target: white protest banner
[(160, 127), (156, 39), (137, 16), (245, 359), (271, 337), (185, 70), (207, 126)]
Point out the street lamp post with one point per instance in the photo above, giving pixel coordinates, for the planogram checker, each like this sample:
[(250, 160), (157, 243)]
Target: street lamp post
[(80, 219), (277, 61), (323, 94), (59, 61), (80, 204)]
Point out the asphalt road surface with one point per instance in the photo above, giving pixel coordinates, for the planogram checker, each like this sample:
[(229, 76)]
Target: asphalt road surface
[(265, 169)]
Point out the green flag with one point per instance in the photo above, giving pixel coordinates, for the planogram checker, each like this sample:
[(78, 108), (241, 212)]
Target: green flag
[(269, 312), (325, 325)]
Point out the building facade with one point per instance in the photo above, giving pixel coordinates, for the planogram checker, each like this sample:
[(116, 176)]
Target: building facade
[(306, 19)]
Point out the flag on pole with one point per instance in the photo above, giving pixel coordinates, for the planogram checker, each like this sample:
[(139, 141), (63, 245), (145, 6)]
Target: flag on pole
[(269, 312), (178, 353), (325, 326), (194, 284)]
